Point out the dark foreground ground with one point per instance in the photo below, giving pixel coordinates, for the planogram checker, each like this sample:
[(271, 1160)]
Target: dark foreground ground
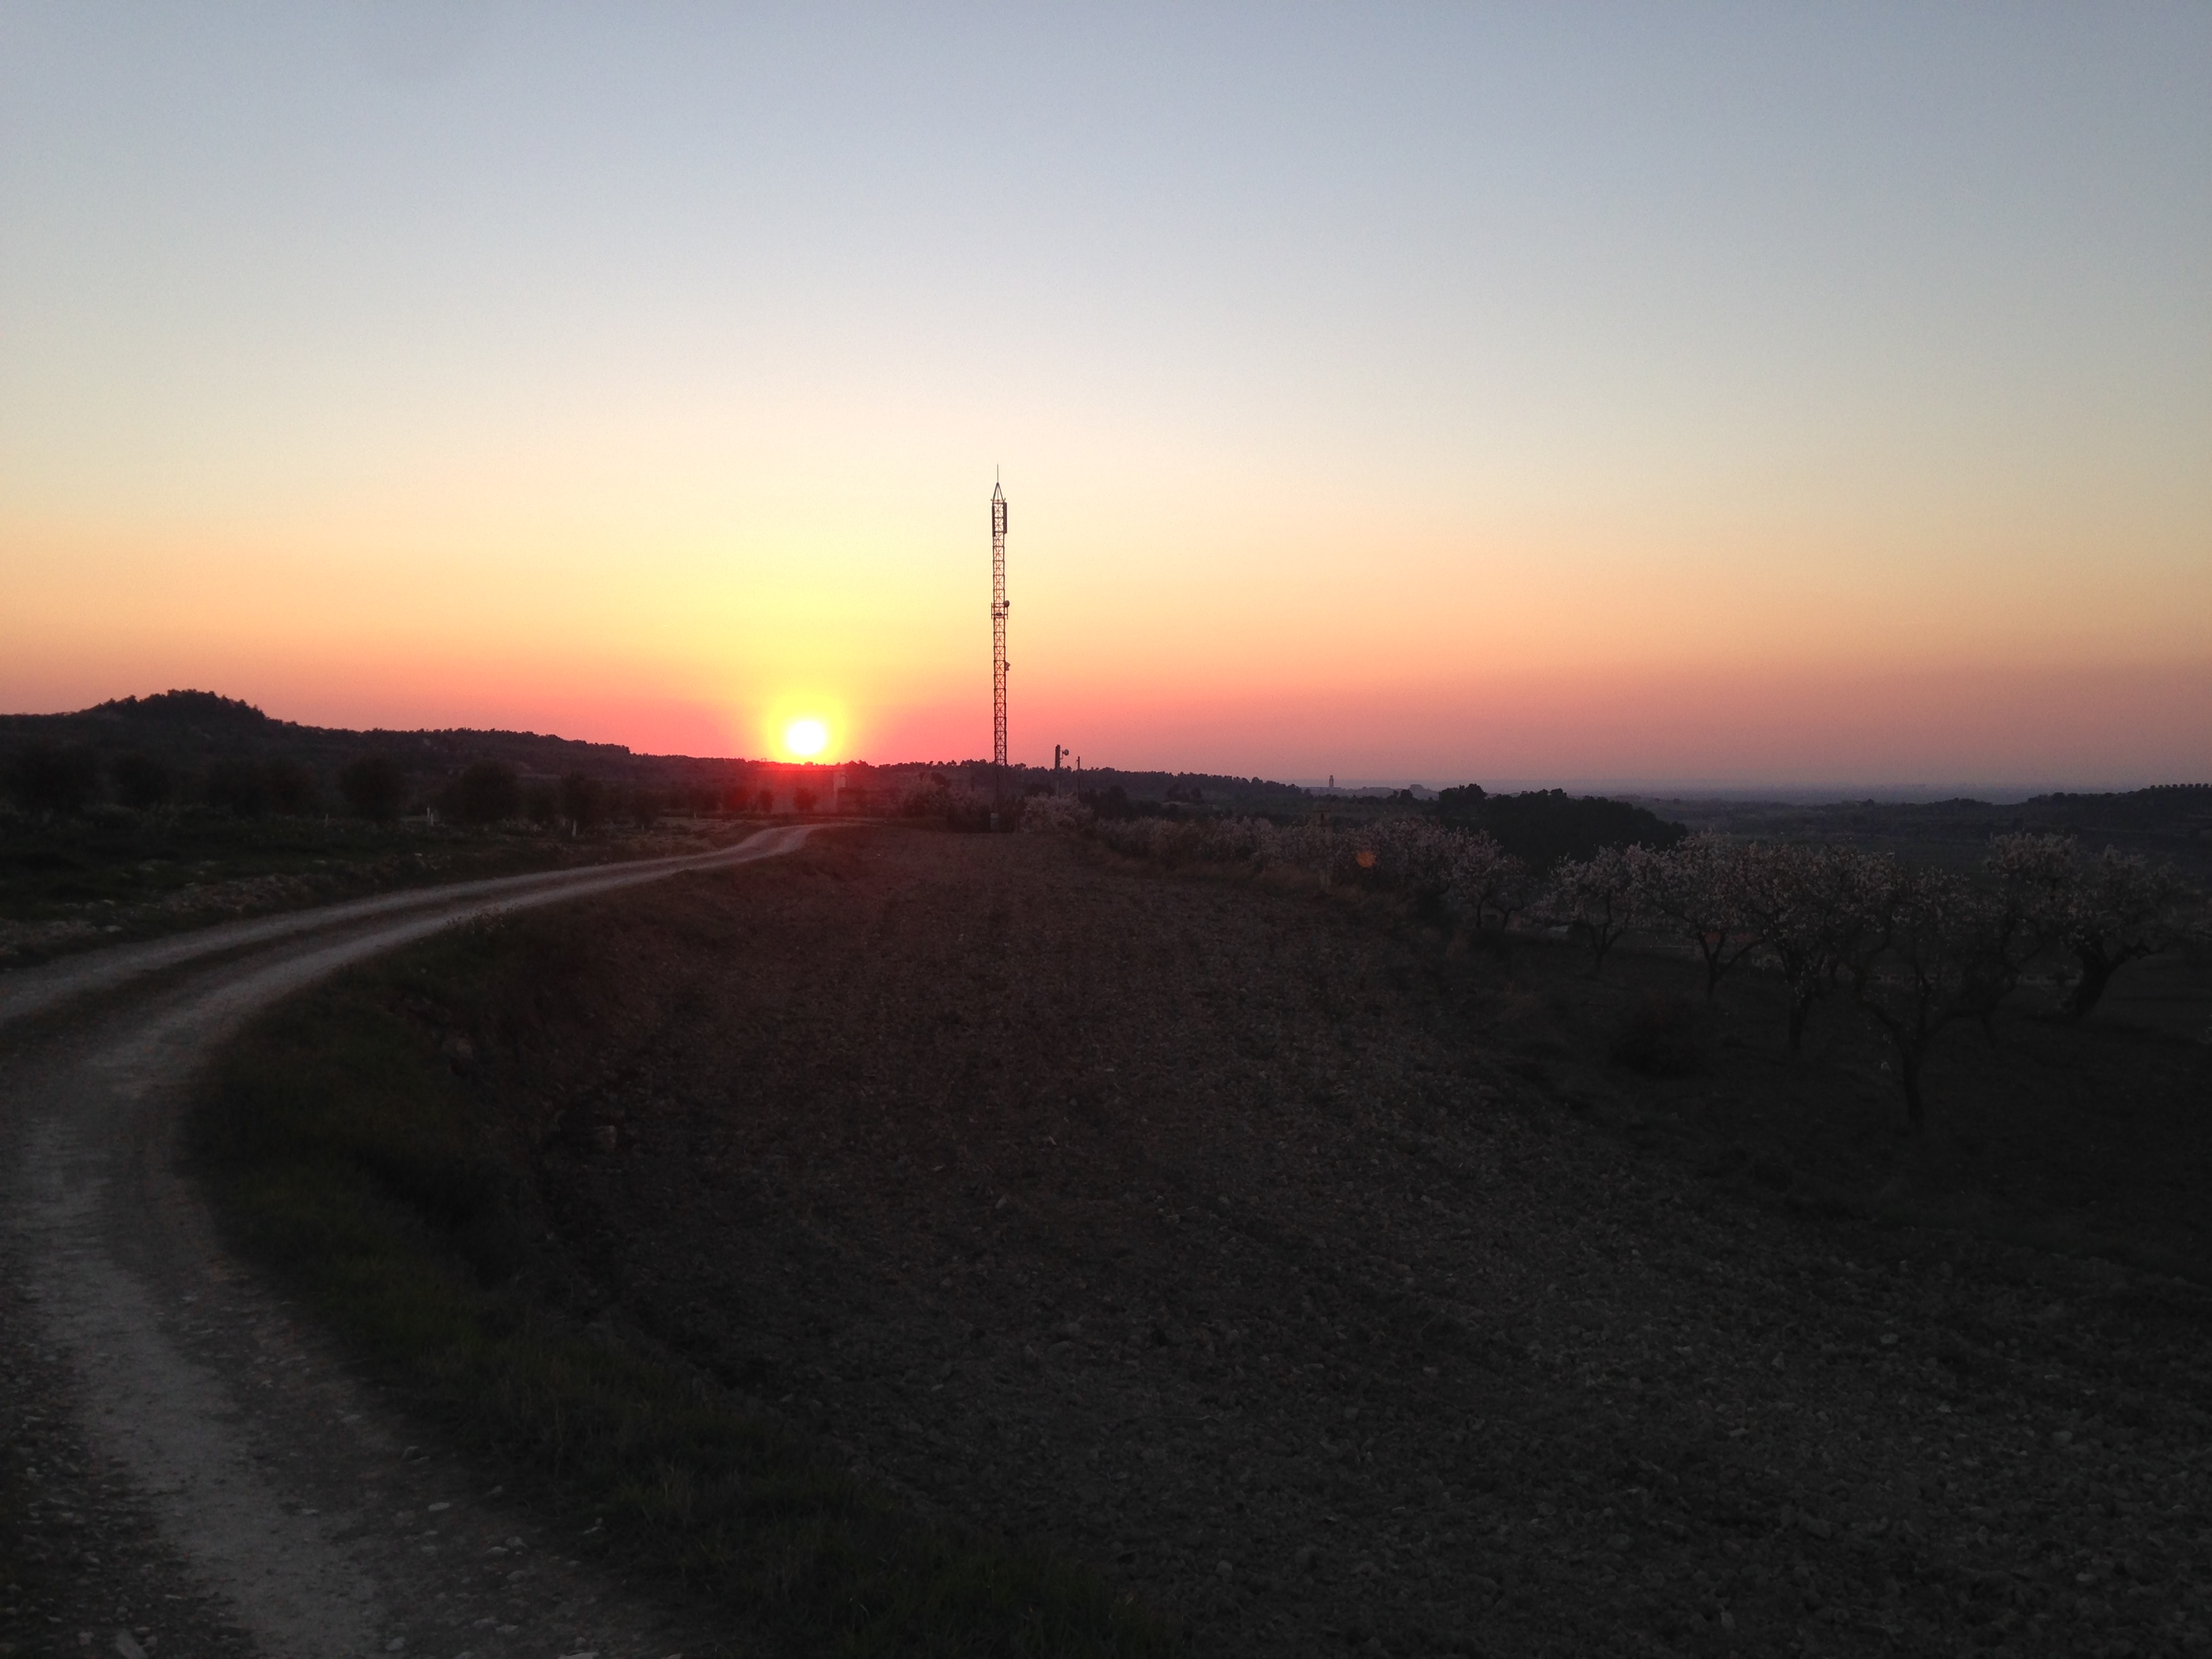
[(1326, 1286)]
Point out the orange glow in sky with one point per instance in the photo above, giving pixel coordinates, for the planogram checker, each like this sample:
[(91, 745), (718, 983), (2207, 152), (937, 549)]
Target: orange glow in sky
[(1450, 394)]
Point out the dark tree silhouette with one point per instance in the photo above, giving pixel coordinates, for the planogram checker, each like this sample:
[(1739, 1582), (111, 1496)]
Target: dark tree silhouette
[(291, 787), (2124, 907), (1110, 804), (583, 802), (142, 783), (373, 787), (1547, 827), (1933, 947), (46, 778), (486, 792), (238, 786)]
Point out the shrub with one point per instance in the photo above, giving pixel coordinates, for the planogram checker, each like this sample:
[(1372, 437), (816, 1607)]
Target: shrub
[(541, 804), (142, 783), (1190, 841), (48, 778), (373, 787), (1111, 804), (802, 800), (1046, 815), (486, 792), (955, 805)]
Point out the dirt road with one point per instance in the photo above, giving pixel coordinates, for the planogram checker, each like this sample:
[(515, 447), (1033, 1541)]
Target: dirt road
[(187, 1458)]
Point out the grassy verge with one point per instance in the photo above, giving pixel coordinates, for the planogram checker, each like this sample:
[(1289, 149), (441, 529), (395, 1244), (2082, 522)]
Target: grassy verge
[(347, 1157)]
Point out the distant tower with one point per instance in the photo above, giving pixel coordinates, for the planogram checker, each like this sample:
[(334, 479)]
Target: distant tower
[(999, 608)]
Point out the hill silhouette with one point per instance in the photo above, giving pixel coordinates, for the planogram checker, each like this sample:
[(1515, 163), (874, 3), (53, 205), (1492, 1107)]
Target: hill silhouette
[(195, 736)]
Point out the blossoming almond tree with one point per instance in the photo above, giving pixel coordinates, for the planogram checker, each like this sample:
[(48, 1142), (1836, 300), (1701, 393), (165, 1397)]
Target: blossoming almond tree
[(1933, 947), (1489, 881), (1416, 856), (1596, 899), (1810, 906), (2119, 908), (1698, 889)]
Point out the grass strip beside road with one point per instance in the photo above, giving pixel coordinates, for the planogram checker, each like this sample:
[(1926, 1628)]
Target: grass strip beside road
[(344, 1155)]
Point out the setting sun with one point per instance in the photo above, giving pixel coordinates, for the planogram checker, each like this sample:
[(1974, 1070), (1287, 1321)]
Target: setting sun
[(806, 739)]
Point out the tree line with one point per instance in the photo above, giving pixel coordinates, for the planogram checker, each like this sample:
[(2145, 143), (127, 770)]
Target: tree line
[(1916, 948), (47, 780)]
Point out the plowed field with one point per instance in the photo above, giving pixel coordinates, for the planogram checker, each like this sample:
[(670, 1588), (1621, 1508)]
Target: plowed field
[(1246, 1244)]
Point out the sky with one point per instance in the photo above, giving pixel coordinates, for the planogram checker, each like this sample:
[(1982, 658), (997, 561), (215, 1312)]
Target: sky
[(1658, 395)]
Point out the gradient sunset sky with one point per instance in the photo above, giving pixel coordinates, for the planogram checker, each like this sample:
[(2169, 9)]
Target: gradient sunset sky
[(1784, 394)]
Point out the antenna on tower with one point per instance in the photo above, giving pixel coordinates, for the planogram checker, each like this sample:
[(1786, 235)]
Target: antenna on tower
[(999, 608)]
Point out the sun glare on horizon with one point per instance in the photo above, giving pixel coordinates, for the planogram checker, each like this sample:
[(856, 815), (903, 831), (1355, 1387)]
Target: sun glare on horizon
[(806, 739)]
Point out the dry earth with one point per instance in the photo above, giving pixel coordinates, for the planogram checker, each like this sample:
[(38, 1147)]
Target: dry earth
[(1201, 1230), (1223, 1237)]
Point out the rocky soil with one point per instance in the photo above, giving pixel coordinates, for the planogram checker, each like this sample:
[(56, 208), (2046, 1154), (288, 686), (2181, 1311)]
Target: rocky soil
[(1225, 1238), (80, 1566)]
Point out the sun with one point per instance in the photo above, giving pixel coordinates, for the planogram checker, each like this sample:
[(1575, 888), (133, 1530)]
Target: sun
[(806, 738)]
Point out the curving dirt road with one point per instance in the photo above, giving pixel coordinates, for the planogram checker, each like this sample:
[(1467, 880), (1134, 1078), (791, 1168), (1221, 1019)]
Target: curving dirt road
[(231, 1486)]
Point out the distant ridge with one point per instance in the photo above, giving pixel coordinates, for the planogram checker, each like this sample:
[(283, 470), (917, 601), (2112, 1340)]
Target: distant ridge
[(191, 730)]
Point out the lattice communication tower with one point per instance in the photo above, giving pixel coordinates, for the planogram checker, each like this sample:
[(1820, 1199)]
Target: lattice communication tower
[(998, 634)]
